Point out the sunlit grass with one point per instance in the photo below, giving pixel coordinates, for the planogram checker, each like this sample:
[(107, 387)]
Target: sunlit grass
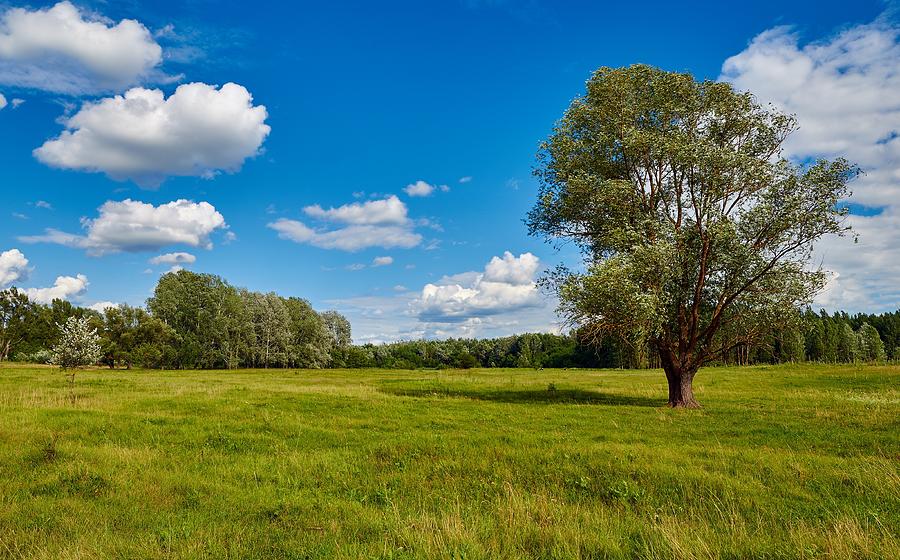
[(782, 462)]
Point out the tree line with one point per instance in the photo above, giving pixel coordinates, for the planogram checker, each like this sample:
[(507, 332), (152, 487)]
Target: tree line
[(810, 337), (201, 321)]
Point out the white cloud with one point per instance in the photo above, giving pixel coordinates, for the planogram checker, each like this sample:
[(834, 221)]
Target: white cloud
[(64, 288), (65, 50), (174, 258), (844, 92), (13, 267), (421, 188), (375, 223), (43, 204), (2, 101), (131, 225), (466, 179), (507, 284), (376, 262), (351, 238), (198, 131), (509, 269), (102, 306), (390, 210)]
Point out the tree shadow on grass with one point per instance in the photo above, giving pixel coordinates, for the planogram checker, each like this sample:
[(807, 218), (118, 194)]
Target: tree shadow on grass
[(527, 396)]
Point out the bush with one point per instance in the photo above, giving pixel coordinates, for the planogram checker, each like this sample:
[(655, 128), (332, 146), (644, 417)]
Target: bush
[(38, 357), (466, 361)]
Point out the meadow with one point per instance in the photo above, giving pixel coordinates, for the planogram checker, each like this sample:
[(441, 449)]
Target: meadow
[(792, 461)]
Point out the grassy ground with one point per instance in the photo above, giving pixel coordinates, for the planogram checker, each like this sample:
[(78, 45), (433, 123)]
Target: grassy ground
[(783, 462)]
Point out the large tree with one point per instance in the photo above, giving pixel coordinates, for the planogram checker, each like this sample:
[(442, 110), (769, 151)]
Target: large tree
[(687, 214), (208, 315), (311, 342), (272, 328)]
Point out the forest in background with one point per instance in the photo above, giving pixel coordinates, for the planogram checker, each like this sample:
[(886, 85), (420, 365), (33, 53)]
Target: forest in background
[(200, 321)]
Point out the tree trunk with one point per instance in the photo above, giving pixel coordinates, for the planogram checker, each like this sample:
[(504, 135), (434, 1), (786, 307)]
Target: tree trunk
[(681, 382), (71, 386), (681, 389)]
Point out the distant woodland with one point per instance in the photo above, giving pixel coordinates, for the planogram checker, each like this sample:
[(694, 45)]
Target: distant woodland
[(201, 321)]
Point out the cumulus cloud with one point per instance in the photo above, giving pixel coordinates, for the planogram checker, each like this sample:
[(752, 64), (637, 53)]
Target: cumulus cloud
[(360, 225), (65, 287), (13, 267), (506, 284), (66, 50), (199, 131), (510, 269), (174, 258), (2, 101), (843, 90), (102, 306), (389, 211), (421, 188), (466, 179), (134, 226)]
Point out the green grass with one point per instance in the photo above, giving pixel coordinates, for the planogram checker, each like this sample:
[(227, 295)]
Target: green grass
[(782, 462)]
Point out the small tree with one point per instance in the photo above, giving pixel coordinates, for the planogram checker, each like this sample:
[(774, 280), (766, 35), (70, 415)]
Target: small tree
[(870, 344), (79, 345)]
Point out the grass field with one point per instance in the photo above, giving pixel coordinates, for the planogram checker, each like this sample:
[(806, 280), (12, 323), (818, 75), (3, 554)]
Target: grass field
[(782, 462)]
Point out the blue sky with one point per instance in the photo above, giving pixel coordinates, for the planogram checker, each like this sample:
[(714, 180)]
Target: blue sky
[(362, 100)]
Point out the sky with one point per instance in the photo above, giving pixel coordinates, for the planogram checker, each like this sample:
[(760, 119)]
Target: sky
[(376, 158)]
